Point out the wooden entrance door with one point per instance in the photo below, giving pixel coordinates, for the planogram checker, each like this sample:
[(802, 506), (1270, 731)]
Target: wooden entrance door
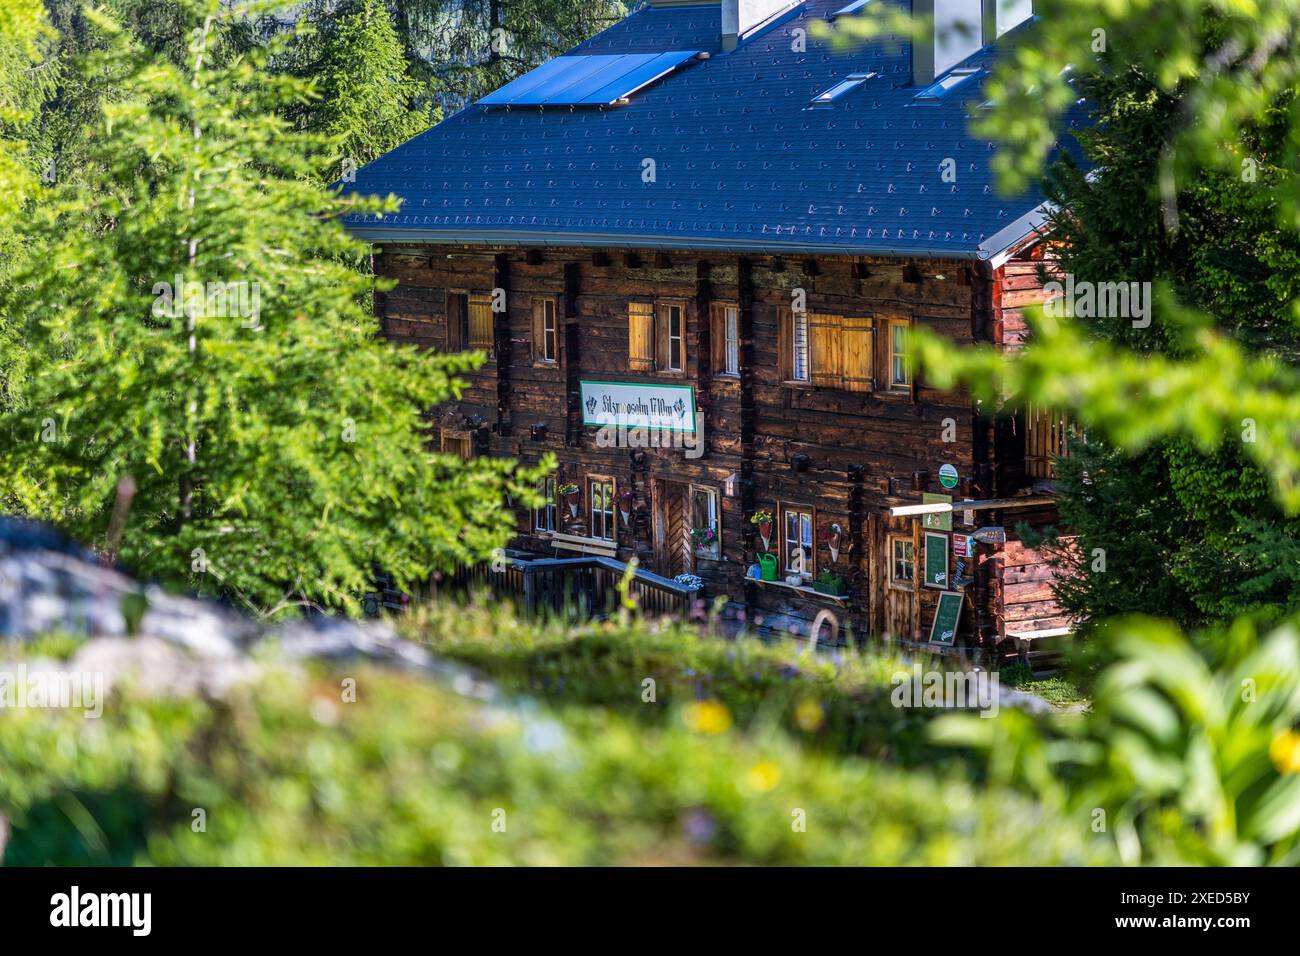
[(896, 566), (672, 528)]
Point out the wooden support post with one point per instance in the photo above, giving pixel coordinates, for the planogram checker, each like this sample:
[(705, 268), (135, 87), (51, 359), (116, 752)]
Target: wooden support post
[(748, 413), (704, 351), (918, 578), (501, 342), (572, 355)]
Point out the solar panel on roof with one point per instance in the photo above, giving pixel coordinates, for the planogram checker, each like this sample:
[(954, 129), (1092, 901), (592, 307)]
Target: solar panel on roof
[(556, 89), (594, 80), (590, 81), (530, 80)]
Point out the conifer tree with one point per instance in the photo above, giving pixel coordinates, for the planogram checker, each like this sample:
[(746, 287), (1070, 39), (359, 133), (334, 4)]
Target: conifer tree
[(367, 93), (203, 336), (24, 83)]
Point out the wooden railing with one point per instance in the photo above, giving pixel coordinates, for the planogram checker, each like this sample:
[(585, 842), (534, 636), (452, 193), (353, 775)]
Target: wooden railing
[(578, 587)]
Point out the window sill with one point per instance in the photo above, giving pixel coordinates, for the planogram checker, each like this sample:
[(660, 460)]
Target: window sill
[(804, 589)]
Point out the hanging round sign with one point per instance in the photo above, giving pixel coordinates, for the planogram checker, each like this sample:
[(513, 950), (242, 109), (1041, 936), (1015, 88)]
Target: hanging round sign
[(948, 476)]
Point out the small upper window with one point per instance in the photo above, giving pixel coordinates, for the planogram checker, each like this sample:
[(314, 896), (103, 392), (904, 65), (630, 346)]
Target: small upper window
[(949, 81), (900, 375), (840, 89), (731, 341)]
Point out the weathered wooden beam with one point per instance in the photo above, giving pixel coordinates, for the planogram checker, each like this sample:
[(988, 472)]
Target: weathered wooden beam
[(501, 342), (704, 349), (909, 511)]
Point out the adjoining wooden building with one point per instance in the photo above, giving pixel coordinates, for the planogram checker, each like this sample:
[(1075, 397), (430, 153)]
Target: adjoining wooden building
[(709, 227)]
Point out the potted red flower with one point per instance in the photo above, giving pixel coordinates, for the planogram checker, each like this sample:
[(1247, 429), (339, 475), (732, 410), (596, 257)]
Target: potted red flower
[(569, 492), (763, 520), (834, 536)]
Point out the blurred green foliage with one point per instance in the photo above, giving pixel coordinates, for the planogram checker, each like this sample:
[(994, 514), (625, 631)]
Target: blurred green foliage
[(837, 701), (1188, 754), (1186, 757), (1192, 533), (288, 773)]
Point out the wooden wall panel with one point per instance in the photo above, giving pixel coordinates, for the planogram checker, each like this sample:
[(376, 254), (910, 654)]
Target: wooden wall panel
[(849, 455)]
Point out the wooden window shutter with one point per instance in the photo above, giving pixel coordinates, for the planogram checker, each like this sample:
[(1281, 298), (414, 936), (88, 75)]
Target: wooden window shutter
[(455, 321), (855, 344), (826, 350), (480, 323), (539, 330), (661, 337), (784, 343), (640, 337)]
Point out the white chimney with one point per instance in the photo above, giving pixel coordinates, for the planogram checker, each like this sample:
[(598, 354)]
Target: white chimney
[(741, 16), (730, 25), (957, 28), (1001, 15)]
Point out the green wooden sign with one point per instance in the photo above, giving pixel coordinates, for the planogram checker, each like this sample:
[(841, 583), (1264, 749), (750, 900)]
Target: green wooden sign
[(936, 560), (946, 616), (937, 522)]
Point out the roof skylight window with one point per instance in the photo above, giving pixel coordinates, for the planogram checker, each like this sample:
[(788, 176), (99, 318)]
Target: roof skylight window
[(855, 7), (945, 84), (840, 90)]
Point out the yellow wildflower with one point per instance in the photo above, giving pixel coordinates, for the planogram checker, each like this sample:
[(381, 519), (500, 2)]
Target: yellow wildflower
[(708, 717), (1284, 751)]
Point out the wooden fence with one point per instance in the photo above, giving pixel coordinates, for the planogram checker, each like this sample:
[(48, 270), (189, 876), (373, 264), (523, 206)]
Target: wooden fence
[(576, 587)]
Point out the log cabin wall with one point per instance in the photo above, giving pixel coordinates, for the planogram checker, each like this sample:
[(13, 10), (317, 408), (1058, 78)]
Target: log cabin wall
[(1021, 596), (842, 456)]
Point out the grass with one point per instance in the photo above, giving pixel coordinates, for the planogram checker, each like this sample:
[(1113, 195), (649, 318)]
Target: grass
[(1061, 689), (838, 701), (288, 771)]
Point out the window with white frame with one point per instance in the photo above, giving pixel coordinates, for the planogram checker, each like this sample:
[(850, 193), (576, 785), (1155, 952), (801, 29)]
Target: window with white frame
[(705, 529), (899, 375), (730, 340), (726, 339), (797, 552), (676, 339), (545, 331), (600, 492), (800, 370), (544, 517)]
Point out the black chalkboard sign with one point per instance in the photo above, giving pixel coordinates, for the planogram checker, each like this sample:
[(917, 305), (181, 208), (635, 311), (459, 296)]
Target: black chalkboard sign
[(944, 628), (936, 560)]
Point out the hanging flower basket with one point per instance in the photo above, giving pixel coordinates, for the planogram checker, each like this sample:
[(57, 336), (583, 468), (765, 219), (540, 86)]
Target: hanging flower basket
[(569, 492), (763, 521), (834, 536)]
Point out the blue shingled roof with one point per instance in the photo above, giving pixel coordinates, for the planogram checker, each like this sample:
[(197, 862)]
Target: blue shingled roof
[(741, 163)]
